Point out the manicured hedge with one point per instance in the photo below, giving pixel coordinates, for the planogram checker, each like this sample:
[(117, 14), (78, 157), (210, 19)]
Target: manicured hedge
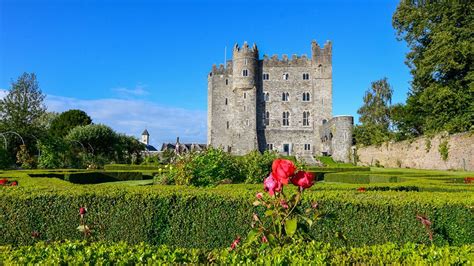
[(92, 177), (361, 178), (338, 169), (132, 167), (213, 217), (99, 253)]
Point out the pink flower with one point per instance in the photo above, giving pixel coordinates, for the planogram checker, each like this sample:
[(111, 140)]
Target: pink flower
[(264, 239), (284, 204), (271, 185), (14, 183), (235, 243), (303, 179), (282, 170), (259, 195), (82, 211)]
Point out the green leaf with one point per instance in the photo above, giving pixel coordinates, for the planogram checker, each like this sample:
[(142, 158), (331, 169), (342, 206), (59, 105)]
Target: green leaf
[(269, 213), (307, 220), (290, 226)]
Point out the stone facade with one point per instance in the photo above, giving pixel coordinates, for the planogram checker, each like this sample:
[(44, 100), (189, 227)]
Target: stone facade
[(273, 103), (423, 153)]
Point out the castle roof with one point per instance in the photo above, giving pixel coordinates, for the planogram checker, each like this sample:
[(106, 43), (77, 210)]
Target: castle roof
[(145, 132)]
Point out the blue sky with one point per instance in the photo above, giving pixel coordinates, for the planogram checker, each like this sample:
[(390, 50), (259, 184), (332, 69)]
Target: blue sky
[(136, 64)]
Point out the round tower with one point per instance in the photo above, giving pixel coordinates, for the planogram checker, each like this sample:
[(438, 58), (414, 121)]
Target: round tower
[(245, 73)]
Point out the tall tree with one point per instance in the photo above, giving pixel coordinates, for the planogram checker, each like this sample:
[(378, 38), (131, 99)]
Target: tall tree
[(68, 120), (440, 37), (21, 110), (375, 114)]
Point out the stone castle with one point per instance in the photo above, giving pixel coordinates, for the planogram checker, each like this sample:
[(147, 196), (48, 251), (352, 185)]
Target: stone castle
[(277, 104)]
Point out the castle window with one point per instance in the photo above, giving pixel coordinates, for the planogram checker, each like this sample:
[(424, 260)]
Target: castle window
[(245, 72), (306, 118), (247, 122), (227, 124), (245, 61), (307, 147), (286, 119), (324, 121), (305, 76), (269, 146), (245, 108), (285, 96), (245, 95), (226, 82), (266, 96), (266, 76), (286, 76), (306, 97), (226, 101), (266, 119)]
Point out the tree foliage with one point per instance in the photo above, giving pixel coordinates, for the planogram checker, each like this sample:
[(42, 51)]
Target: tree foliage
[(439, 35), (375, 114), (21, 111), (68, 120)]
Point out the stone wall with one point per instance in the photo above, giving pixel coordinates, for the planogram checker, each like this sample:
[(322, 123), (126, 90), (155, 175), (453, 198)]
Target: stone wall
[(423, 153)]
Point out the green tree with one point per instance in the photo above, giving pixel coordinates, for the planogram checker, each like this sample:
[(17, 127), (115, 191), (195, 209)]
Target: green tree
[(96, 139), (20, 111), (440, 37), (375, 114), (68, 120)]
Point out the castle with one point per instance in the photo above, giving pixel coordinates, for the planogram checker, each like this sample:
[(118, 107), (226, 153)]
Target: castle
[(277, 104)]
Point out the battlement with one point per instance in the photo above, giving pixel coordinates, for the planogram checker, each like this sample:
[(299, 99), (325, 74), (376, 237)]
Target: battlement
[(221, 70), (295, 60), (321, 55), (245, 50)]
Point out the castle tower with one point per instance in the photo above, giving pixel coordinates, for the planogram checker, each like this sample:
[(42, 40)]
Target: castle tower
[(245, 75), (321, 61), (145, 137)]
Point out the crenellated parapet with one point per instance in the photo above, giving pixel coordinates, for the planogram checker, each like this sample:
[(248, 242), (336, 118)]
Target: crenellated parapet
[(245, 51), (295, 60), (321, 55), (221, 70)]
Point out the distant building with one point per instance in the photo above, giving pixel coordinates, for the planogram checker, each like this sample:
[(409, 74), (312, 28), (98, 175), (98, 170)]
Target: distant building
[(180, 148), (276, 104), (146, 140)]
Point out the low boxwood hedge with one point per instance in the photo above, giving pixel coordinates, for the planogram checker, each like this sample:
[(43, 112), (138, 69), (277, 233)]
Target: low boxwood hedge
[(91, 177), (132, 167), (100, 253), (213, 217)]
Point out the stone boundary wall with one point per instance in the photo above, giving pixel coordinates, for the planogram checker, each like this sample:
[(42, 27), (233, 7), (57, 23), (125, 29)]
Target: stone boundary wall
[(422, 153)]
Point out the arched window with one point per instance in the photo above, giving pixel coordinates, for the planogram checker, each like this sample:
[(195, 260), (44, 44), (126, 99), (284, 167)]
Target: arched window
[(305, 76), (245, 95), (324, 121), (245, 72), (266, 118), (266, 96), (266, 76), (286, 76), (306, 118), (285, 96), (306, 97), (286, 119)]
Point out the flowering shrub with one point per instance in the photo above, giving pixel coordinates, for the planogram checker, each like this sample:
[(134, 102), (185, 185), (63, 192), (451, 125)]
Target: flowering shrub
[(282, 222), (469, 180), (4, 182)]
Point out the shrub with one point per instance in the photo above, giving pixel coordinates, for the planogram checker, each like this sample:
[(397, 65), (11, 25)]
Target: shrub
[(212, 217), (205, 168), (444, 150), (81, 252), (255, 166), (129, 167)]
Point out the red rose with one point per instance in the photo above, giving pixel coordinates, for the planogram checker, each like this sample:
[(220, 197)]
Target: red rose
[(82, 211), (3, 181), (14, 183), (303, 179), (282, 170), (361, 189)]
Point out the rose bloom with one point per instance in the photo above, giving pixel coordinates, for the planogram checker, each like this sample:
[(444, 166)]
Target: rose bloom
[(271, 185), (284, 204), (282, 170), (259, 195), (361, 189), (82, 211), (303, 179), (14, 183), (264, 239), (3, 181)]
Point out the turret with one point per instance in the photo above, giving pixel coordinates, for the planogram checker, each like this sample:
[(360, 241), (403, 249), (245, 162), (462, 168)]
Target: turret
[(145, 137), (244, 66)]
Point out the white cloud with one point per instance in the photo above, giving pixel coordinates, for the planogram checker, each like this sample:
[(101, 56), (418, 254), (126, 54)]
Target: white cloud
[(139, 90), (131, 117)]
